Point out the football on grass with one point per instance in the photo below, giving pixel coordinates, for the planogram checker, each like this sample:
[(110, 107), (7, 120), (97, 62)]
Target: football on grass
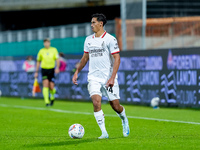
[(76, 131), (155, 101)]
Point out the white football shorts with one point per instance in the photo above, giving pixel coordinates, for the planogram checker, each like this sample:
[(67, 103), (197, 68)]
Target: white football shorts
[(97, 88)]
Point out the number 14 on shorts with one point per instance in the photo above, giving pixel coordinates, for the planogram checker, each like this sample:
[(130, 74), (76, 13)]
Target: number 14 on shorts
[(109, 89)]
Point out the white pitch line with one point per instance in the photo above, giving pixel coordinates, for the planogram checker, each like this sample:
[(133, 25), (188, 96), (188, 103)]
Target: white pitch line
[(87, 113)]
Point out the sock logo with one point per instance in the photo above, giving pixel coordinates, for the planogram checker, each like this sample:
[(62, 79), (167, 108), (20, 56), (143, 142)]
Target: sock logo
[(100, 121)]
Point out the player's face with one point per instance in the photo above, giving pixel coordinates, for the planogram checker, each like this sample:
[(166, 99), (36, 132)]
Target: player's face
[(96, 25), (29, 58), (47, 44)]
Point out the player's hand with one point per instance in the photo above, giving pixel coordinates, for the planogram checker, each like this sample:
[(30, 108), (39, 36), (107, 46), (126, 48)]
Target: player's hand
[(36, 75), (57, 70), (74, 79), (110, 82)]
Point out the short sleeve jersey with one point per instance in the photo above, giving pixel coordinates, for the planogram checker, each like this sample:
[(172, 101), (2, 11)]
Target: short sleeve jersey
[(100, 51), (47, 57)]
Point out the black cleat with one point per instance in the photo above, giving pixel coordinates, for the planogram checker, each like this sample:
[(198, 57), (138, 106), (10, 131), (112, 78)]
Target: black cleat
[(52, 102), (48, 105)]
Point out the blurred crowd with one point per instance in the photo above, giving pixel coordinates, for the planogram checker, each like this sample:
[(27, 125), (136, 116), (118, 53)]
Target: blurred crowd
[(29, 64)]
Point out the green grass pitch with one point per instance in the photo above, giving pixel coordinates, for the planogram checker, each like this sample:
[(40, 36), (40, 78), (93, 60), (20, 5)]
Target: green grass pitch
[(28, 124)]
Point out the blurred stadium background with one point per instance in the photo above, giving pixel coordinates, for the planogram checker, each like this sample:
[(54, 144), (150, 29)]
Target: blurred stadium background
[(159, 40)]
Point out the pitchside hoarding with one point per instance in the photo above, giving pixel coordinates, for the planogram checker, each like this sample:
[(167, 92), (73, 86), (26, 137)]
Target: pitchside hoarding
[(172, 74)]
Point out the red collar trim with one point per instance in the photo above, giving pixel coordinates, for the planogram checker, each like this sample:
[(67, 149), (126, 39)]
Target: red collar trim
[(101, 36)]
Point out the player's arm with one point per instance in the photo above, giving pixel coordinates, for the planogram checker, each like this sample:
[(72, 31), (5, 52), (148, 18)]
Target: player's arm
[(57, 61), (39, 58), (82, 64), (57, 66), (37, 69), (111, 81)]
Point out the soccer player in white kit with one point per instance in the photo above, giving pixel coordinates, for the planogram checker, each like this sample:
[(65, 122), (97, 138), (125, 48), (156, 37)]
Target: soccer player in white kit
[(101, 49)]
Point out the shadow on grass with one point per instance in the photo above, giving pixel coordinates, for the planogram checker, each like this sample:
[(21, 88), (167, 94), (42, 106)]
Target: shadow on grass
[(66, 142)]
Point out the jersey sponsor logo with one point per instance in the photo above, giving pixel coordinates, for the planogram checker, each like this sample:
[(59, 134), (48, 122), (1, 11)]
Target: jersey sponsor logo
[(97, 55), (96, 52)]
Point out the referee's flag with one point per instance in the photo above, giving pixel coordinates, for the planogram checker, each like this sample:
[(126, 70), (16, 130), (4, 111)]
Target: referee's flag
[(36, 87)]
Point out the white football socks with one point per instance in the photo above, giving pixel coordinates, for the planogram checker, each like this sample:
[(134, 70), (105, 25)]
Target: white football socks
[(122, 115), (99, 116)]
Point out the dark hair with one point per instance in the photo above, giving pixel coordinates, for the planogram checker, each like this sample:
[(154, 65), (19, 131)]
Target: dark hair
[(100, 17), (61, 54), (46, 39), (29, 57)]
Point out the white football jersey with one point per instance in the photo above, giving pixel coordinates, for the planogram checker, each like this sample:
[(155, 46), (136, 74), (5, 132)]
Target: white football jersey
[(100, 51)]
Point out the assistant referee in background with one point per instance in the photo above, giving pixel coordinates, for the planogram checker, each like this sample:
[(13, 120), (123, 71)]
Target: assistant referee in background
[(48, 57)]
